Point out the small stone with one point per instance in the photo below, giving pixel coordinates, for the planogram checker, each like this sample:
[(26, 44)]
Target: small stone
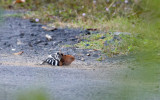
[(13, 49), (82, 59), (88, 54), (49, 38)]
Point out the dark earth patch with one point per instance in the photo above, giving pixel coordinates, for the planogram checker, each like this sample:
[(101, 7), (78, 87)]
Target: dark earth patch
[(17, 34)]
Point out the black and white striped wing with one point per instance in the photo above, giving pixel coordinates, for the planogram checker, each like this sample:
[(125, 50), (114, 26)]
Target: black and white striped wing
[(52, 61)]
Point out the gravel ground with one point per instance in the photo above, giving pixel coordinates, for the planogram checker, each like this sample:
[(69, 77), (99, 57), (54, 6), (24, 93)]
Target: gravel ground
[(60, 83), (17, 34)]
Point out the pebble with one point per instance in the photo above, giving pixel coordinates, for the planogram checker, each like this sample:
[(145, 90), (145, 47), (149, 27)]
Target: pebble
[(13, 49), (88, 54), (82, 59), (49, 37)]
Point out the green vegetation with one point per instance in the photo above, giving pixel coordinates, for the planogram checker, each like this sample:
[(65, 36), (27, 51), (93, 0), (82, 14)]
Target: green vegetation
[(108, 43), (37, 94), (77, 13), (13, 15), (1, 16), (141, 19), (110, 15)]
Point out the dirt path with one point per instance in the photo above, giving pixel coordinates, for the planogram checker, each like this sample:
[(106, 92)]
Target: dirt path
[(60, 83), (82, 80)]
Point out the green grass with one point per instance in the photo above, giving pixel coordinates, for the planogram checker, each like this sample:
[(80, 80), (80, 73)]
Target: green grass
[(70, 13), (31, 94), (1, 14), (108, 44), (13, 15)]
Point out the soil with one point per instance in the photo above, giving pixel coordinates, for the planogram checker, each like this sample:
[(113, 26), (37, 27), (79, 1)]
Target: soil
[(17, 34)]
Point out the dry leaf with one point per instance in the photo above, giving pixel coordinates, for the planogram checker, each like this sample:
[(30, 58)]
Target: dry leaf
[(49, 28), (18, 53)]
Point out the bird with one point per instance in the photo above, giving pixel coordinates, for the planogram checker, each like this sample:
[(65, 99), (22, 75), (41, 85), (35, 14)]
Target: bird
[(59, 59)]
